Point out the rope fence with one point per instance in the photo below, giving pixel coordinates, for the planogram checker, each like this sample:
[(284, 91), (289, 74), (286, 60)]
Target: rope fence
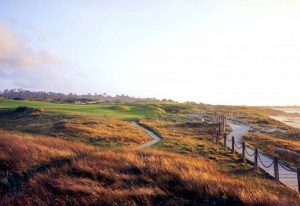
[(240, 142), (258, 157), (250, 154), (286, 167), (238, 146), (263, 162)]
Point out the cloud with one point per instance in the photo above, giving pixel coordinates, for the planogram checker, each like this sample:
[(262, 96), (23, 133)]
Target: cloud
[(24, 66), (16, 53)]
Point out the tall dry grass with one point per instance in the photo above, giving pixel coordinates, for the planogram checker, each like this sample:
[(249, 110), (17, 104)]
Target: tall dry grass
[(112, 130), (148, 178), (267, 143), (100, 131), (19, 152)]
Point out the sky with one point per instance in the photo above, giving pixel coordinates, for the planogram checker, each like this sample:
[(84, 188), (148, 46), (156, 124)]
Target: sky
[(235, 52)]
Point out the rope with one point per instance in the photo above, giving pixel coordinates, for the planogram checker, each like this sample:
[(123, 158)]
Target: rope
[(263, 163), (238, 147), (286, 167), (248, 153)]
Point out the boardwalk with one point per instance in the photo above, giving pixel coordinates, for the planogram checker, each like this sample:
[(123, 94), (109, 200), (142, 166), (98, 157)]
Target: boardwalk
[(288, 178)]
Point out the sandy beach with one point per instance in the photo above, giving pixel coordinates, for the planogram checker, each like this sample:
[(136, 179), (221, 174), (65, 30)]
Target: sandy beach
[(293, 121)]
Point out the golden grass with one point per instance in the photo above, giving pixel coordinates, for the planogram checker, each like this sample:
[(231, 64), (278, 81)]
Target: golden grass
[(136, 177), (102, 130), (270, 142), (189, 138), (194, 139), (178, 131), (267, 143), (148, 178), (19, 152)]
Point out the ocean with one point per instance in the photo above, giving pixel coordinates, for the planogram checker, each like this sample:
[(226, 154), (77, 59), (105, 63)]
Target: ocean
[(292, 121)]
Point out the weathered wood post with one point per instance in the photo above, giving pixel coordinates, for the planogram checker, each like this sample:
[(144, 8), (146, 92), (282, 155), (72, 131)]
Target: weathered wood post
[(243, 151), (225, 141), (255, 159), (217, 137), (276, 170), (232, 146), (298, 177), (219, 128), (224, 124), (213, 133)]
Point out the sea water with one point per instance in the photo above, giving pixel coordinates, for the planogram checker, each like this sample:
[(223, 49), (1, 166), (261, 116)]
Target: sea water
[(293, 121)]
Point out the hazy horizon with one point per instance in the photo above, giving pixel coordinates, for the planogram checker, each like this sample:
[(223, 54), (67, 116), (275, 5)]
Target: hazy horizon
[(215, 52), (160, 99)]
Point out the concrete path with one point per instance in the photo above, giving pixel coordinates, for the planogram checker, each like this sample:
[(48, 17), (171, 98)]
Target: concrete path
[(288, 178), (155, 138)]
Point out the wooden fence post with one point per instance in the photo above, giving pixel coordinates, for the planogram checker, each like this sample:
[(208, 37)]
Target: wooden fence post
[(225, 141), (213, 134), (217, 137), (243, 151), (224, 124), (276, 171), (232, 146), (298, 177), (255, 159)]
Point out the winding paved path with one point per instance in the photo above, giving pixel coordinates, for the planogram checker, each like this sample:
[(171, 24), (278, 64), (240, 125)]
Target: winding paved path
[(288, 178), (155, 138)]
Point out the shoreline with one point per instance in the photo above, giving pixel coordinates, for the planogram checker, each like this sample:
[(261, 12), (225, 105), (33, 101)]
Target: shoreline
[(293, 121)]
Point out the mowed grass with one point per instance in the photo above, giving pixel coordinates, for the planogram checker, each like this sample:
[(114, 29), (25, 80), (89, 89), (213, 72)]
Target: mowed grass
[(147, 177), (121, 111)]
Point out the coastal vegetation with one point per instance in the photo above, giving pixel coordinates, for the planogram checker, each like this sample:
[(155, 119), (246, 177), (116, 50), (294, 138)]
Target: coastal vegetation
[(148, 177), (68, 154)]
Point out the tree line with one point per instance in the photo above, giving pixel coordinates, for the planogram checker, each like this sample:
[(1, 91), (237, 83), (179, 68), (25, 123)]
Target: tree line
[(27, 94)]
